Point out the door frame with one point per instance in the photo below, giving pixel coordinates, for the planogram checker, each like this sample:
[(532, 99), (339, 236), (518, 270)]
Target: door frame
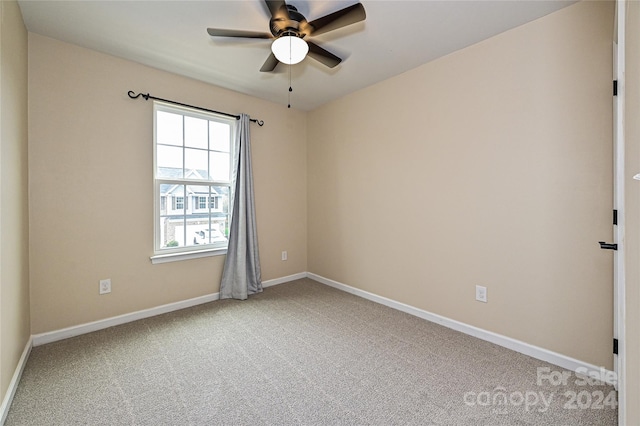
[(619, 203)]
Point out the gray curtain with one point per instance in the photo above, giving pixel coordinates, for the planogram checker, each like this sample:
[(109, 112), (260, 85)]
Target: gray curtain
[(241, 274)]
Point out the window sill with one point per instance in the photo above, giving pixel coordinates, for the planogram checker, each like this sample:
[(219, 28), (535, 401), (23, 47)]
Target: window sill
[(176, 257)]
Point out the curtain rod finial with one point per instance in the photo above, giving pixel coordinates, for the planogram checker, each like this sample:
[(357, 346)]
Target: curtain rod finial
[(133, 95)]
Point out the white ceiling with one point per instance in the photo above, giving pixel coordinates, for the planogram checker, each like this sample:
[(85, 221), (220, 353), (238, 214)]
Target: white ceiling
[(171, 35)]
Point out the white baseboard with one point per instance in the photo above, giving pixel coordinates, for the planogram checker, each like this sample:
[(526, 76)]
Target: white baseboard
[(65, 333), (13, 385), (282, 280), (77, 330), (542, 354)]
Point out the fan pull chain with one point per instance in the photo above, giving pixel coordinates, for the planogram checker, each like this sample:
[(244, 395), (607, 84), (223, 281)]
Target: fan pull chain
[(290, 89)]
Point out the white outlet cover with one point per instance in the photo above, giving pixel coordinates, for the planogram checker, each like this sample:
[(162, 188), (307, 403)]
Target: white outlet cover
[(481, 294), (105, 286)]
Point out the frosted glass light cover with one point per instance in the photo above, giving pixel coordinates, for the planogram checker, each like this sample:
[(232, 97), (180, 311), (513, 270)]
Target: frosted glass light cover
[(289, 49)]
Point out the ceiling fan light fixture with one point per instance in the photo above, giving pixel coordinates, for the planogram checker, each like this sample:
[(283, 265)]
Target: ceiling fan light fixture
[(289, 49)]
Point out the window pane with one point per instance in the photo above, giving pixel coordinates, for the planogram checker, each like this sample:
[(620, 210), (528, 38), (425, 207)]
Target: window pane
[(213, 234), (165, 198), (168, 128), (219, 215), (219, 136), (220, 199), (169, 159), (172, 206), (195, 132), (199, 194), (195, 163), (219, 166), (176, 200), (197, 217), (171, 234)]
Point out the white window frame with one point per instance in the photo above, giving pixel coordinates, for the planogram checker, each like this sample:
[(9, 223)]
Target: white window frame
[(170, 254)]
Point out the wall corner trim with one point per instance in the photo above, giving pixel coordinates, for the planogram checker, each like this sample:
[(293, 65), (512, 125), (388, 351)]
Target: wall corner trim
[(13, 385), (542, 354)]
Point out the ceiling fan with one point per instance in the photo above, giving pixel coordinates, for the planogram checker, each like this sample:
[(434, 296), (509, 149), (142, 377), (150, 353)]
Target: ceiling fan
[(290, 31)]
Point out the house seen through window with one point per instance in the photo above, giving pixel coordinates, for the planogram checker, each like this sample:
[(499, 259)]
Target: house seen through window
[(192, 176)]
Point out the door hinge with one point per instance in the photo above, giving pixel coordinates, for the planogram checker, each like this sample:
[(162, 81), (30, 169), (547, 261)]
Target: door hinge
[(615, 346), (615, 87), (615, 217), (608, 246)]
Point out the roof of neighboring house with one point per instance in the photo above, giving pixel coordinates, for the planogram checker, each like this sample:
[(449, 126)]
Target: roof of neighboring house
[(195, 189), (176, 173)]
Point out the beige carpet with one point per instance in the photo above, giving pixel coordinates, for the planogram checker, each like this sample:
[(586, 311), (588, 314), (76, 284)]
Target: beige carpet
[(298, 353)]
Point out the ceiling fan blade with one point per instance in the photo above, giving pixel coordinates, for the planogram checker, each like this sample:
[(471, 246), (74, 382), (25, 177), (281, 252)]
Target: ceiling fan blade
[(270, 64), (278, 9), (341, 18), (322, 55), (217, 32)]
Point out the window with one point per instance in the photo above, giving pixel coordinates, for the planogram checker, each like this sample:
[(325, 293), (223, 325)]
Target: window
[(192, 179), (213, 204), (202, 202), (178, 203)]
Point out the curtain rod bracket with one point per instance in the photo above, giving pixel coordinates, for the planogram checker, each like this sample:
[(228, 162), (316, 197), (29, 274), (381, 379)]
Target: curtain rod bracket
[(147, 96)]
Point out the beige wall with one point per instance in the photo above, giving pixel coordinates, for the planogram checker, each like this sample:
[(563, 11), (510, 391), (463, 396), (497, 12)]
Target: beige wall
[(14, 232), (631, 338), (496, 159), (90, 154), (490, 166)]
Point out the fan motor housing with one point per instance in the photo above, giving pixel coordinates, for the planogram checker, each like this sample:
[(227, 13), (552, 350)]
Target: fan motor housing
[(280, 25)]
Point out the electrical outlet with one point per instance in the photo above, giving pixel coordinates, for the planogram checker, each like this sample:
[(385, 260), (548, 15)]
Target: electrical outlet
[(105, 286), (284, 255), (481, 294)]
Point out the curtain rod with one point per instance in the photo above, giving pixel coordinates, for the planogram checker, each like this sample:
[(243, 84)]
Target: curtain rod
[(147, 96)]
